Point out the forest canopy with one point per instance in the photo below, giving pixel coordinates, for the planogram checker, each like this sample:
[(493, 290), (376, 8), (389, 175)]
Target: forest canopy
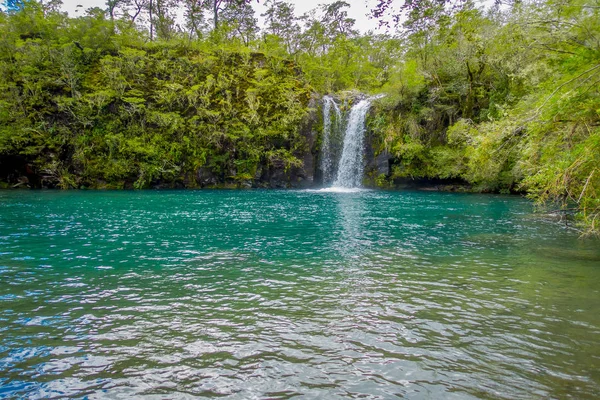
[(147, 92)]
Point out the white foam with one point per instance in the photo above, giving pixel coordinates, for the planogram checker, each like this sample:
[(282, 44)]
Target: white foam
[(351, 167), (338, 189)]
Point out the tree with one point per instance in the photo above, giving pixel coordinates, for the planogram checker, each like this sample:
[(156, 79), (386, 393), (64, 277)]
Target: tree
[(112, 6), (419, 13), (216, 8), (195, 19), (162, 18), (238, 20), (335, 19), (313, 40), (282, 23)]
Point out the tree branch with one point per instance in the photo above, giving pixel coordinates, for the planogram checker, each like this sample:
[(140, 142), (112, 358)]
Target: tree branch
[(563, 85)]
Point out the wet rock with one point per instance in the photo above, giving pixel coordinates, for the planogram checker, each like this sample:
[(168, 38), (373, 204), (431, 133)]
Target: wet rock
[(382, 163), (304, 176), (205, 177), (22, 181), (246, 184)]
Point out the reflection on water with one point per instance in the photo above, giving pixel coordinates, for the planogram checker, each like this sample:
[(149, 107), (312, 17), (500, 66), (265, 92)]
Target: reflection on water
[(352, 242), (277, 294)]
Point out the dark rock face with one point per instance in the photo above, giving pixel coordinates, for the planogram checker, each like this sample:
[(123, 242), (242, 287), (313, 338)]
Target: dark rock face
[(304, 177), (205, 177), (382, 163), (274, 177), (376, 164), (17, 173)]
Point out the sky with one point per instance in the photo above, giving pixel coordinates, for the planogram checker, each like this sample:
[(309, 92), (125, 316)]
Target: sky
[(358, 9)]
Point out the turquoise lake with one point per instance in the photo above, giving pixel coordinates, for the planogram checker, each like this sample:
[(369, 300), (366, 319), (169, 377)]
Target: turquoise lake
[(278, 294)]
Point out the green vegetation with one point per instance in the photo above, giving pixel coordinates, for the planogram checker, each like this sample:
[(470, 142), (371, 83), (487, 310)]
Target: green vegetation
[(84, 106), (506, 99), (127, 98)]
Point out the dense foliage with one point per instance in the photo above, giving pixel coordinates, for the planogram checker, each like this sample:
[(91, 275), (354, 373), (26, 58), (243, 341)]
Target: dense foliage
[(124, 97), (81, 105), (506, 99)]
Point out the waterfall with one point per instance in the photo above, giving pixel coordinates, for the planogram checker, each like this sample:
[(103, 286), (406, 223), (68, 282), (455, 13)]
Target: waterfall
[(328, 153), (351, 166)]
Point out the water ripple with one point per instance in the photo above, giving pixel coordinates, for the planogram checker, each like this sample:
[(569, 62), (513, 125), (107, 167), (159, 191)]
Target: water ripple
[(293, 294)]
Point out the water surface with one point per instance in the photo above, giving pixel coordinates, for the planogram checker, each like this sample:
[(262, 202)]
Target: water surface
[(276, 294)]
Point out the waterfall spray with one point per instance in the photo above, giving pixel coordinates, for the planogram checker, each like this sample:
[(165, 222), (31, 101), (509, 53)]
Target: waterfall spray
[(351, 167), (330, 124)]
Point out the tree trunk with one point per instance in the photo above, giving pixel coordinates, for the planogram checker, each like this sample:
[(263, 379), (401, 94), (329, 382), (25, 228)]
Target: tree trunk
[(151, 22), (216, 13)]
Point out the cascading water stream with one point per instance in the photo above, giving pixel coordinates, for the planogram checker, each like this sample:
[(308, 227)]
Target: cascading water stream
[(329, 124), (351, 166)]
